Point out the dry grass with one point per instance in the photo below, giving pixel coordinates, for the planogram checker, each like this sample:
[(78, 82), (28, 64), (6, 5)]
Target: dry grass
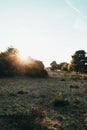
[(18, 96)]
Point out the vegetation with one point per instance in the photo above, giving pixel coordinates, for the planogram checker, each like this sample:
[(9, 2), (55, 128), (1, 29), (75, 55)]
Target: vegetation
[(8, 62), (54, 65), (58, 102), (12, 65), (62, 66), (79, 61), (44, 104)]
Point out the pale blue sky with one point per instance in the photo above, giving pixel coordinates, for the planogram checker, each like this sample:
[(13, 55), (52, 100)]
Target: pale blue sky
[(44, 29)]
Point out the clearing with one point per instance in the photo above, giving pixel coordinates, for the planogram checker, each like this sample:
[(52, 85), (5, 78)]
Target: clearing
[(27, 103)]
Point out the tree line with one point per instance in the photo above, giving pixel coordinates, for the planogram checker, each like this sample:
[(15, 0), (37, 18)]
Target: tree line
[(11, 65), (78, 63)]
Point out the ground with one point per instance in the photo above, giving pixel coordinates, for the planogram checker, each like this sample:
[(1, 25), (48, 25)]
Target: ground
[(28, 103)]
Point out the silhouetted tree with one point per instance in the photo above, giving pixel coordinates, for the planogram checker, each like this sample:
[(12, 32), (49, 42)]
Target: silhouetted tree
[(54, 65), (11, 65), (79, 61), (8, 61)]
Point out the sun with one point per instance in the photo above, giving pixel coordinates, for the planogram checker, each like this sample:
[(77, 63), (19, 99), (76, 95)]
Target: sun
[(23, 56), (26, 60)]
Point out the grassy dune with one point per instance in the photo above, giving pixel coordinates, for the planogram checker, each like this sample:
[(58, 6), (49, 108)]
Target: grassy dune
[(35, 103)]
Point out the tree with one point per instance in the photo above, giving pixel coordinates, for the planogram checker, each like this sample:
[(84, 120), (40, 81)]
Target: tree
[(11, 65), (12, 51), (53, 65), (79, 61), (8, 62)]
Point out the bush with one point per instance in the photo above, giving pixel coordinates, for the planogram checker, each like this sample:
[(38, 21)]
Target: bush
[(35, 69), (64, 66), (59, 100), (11, 65), (54, 65)]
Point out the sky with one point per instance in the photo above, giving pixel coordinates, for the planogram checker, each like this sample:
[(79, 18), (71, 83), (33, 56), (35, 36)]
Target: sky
[(46, 30)]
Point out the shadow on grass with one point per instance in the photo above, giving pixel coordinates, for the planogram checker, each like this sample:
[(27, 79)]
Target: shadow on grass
[(18, 122)]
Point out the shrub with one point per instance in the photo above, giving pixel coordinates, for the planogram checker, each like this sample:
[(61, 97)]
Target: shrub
[(60, 100), (11, 65), (54, 65), (35, 68), (64, 66)]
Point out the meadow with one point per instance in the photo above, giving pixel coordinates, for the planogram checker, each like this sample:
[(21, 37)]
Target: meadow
[(57, 102)]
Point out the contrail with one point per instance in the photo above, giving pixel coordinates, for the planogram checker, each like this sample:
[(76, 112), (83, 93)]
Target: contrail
[(69, 3)]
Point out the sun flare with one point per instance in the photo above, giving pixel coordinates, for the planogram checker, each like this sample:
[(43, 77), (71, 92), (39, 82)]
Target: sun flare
[(23, 57)]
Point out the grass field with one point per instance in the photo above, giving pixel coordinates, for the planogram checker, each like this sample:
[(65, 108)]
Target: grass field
[(36, 103)]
